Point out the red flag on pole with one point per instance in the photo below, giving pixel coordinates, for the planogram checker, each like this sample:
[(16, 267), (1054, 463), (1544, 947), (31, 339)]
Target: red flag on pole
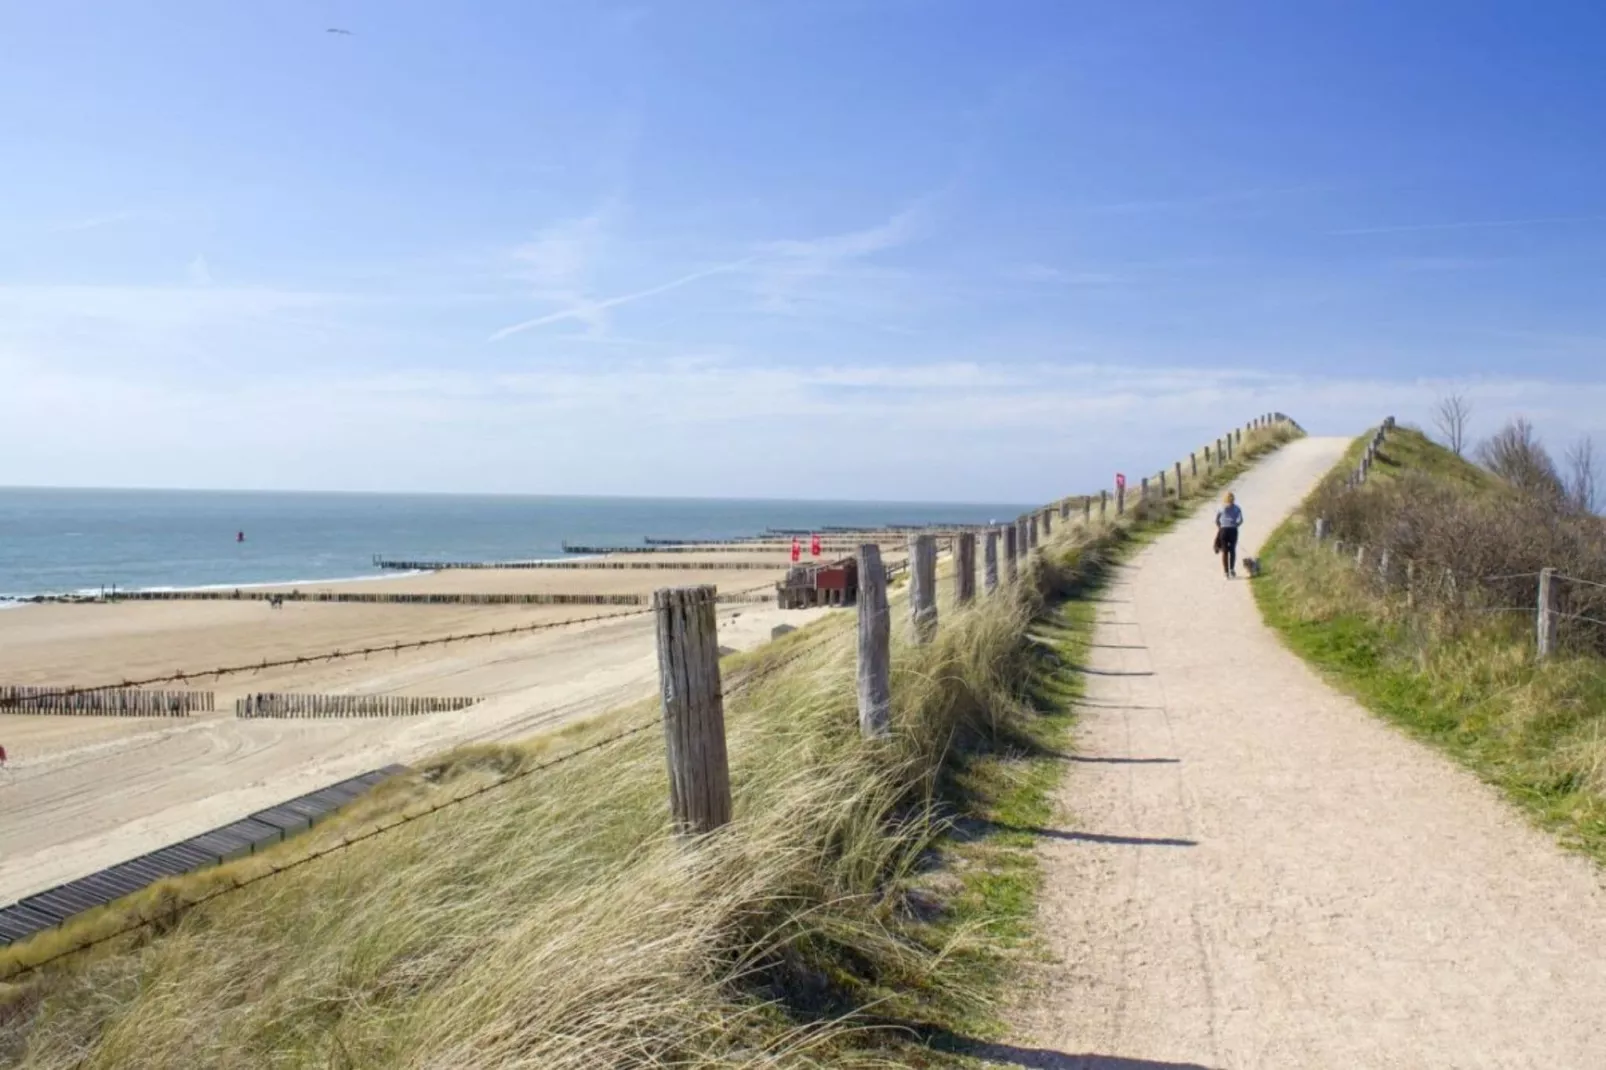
[(814, 544), (1120, 481), (796, 549)]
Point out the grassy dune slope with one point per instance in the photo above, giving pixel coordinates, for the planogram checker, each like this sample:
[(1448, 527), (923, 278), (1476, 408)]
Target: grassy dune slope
[(860, 912), (1463, 677)]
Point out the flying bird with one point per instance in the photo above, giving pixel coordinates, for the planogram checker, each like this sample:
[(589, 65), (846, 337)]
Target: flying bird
[(335, 29)]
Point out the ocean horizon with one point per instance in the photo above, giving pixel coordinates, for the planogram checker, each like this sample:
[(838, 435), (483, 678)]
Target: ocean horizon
[(77, 540)]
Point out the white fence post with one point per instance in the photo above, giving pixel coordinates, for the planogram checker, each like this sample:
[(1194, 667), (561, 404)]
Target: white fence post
[(1548, 617)]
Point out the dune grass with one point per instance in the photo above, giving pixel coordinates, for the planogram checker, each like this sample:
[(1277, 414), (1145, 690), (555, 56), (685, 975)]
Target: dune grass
[(861, 911), (1464, 678)]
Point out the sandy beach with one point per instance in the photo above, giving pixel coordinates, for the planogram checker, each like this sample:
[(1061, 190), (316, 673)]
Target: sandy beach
[(83, 792)]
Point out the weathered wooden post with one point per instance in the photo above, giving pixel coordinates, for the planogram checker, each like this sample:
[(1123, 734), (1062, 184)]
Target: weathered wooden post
[(1120, 499), (1360, 557), (1011, 552), (990, 560), (1229, 447), (1193, 463), (1383, 567), (1548, 617), (1410, 583), (1031, 532), (1179, 480), (1143, 489), (923, 586), (1022, 538), (1321, 528), (1065, 509), (1087, 509), (694, 712), (875, 646), (965, 568), (1104, 503), (1165, 491), (1048, 524)]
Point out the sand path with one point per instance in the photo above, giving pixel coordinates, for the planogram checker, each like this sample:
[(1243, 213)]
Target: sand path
[(1253, 871)]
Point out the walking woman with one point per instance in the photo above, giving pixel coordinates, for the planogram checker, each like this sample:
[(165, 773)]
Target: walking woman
[(1228, 521)]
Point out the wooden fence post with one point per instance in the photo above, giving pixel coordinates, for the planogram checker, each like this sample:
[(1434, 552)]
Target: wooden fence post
[(1229, 447), (965, 568), (1410, 583), (923, 586), (1193, 463), (1321, 528), (875, 646), (1143, 493), (694, 712), (1048, 523), (1548, 618), (1087, 509), (1179, 481), (1104, 503), (990, 560), (1031, 532), (1011, 551), (1120, 499)]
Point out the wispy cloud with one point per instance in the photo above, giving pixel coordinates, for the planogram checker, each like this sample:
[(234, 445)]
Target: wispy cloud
[(132, 215), (1472, 224), (788, 270), (1053, 276), (590, 311), (1216, 199)]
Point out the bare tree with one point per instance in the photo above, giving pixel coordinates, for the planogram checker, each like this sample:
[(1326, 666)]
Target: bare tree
[(1515, 454), (1582, 490), (1451, 417)]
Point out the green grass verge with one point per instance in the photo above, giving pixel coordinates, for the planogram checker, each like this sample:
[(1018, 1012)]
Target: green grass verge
[(1466, 683)]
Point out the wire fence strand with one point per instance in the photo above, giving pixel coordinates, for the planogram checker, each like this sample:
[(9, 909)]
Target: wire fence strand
[(407, 817)]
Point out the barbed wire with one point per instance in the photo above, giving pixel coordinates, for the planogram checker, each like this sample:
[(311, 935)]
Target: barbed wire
[(1582, 617), (1512, 576), (738, 686), (406, 817), (336, 655), (1579, 579)]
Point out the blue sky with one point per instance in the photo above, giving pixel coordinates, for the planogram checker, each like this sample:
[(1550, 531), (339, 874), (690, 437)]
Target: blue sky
[(841, 248)]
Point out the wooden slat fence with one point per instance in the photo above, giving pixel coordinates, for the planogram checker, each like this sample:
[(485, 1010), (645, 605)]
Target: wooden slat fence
[(281, 704), (110, 701)]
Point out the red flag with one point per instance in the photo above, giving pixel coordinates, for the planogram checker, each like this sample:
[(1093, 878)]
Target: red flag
[(796, 549), (1120, 481), (814, 544)]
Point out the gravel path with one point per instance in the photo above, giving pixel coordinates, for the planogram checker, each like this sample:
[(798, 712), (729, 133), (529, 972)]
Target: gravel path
[(1253, 871)]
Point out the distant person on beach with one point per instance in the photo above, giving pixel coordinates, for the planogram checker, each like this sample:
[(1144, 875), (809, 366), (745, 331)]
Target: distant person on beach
[(1228, 521), (2, 757)]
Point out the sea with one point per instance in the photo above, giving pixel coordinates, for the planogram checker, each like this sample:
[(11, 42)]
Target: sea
[(60, 541)]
